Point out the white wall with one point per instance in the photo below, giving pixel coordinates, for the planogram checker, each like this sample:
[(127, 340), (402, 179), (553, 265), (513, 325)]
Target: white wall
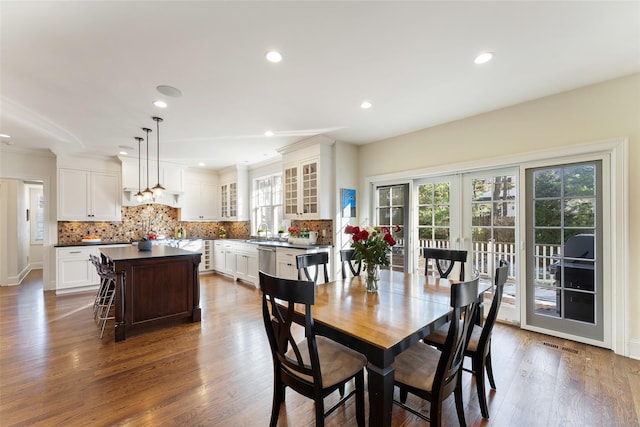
[(593, 113), (346, 173), (41, 166)]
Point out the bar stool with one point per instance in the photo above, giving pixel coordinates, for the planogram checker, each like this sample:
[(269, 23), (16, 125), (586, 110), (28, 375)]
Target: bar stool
[(106, 293)]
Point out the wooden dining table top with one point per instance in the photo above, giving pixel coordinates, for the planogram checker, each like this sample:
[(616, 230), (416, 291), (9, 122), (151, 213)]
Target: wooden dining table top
[(403, 304)]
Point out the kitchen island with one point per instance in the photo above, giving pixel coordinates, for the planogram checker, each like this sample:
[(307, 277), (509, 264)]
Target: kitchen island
[(153, 287)]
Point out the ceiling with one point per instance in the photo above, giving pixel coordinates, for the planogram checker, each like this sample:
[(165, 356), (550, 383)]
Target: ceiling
[(81, 76)]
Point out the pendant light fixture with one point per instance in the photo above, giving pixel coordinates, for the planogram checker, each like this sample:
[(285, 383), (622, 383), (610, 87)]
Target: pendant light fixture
[(148, 194), (139, 195), (158, 189)]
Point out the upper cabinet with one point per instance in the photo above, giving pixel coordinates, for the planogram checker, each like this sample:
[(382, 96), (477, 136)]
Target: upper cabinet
[(308, 179), (88, 194), (200, 197), (135, 179), (234, 194)]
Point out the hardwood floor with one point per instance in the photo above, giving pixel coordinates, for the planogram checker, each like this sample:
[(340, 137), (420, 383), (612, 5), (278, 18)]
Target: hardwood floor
[(55, 371)]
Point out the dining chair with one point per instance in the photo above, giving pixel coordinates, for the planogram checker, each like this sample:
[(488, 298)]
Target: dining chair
[(318, 260), (347, 259), (442, 258), (479, 347), (433, 374), (315, 366)]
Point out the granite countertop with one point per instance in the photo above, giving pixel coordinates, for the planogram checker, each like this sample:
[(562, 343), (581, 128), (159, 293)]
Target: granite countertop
[(103, 242), (281, 244)]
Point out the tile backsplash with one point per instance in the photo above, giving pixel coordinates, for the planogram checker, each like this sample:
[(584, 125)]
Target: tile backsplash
[(137, 220)]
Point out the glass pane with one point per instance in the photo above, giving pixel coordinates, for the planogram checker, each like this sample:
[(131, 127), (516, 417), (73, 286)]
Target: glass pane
[(579, 306), (384, 216), (504, 235), (578, 275), (481, 214), (425, 215), (546, 301), (481, 190), (547, 183), (579, 213), (547, 213), (397, 194), (480, 234), (397, 216), (579, 243), (384, 196), (548, 236), (442, 193), (425, 196), (504, 214), (579, 181), (425, 233), (442, 234), (504, 188), (442, 215), (544, 273)]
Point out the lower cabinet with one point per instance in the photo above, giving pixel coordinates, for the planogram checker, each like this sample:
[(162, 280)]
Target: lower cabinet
[(247, 263), (237, 259), (286, 266), (74, 270), (224, 260)]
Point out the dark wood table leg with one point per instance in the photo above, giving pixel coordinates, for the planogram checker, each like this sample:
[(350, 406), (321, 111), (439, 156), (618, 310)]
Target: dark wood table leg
[(380, 395), (120, 328)]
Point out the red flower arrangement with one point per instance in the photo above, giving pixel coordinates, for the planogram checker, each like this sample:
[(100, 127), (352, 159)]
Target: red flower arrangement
[(372, 244)]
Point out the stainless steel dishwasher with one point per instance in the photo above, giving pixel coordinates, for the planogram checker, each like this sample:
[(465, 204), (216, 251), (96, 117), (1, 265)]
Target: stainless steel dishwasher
[(267, 259)]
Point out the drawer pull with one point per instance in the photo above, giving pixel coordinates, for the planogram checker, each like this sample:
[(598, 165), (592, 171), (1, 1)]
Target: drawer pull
[(75, 252)]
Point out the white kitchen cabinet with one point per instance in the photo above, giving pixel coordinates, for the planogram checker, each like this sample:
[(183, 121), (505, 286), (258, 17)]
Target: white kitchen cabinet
[(234, 194), (224, 257), (286, 262), (286, 266), (307, 181), (88, 195), (75, 272), (246, 262), (199, 201), (171, 178)]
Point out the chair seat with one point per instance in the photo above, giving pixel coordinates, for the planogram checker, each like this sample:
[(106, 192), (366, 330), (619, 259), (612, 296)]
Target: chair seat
[(438, 337), (337, 362), (416, 366)]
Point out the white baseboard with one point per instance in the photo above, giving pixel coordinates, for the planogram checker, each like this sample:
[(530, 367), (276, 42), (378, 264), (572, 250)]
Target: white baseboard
[(634, 349)]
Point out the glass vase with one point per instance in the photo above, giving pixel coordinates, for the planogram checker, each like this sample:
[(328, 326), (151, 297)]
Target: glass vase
[(372, 277)]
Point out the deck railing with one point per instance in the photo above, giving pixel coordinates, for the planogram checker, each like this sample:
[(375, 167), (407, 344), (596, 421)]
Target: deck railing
[(486, 255)]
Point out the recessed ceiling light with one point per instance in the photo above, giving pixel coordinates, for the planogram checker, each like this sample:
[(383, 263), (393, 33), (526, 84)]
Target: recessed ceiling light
[(273, 56), (124, 153), (160, 104), (483, 58), (4, 135), (366, 105), (200, 164), (171, 91), (269, 133)]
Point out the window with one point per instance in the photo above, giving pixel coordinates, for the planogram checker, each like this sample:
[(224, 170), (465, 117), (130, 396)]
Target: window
[(36, 216), (267, 203)]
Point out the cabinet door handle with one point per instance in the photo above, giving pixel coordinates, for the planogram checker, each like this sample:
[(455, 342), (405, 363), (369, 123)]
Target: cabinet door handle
[(75, 252)]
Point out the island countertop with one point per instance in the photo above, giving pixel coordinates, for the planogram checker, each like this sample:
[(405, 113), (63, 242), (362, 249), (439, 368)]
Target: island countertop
[(132, 253)]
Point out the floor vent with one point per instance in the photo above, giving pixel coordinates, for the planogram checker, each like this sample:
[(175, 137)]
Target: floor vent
[(557, 347)]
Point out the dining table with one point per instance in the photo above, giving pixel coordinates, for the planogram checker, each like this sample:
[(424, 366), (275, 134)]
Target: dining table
[(382, 324)]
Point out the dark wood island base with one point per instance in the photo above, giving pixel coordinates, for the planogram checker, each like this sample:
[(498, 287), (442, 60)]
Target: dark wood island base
[(154, 287)]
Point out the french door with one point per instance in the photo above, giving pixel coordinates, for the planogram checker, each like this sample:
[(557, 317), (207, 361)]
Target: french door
[(476, 212), (392, 210), (565, 258)]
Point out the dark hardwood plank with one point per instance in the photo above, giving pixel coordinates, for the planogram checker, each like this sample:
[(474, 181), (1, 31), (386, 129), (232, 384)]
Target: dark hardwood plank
[(55, 370)]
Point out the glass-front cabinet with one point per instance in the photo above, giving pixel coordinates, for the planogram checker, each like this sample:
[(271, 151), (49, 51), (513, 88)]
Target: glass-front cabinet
[(307, 180)]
